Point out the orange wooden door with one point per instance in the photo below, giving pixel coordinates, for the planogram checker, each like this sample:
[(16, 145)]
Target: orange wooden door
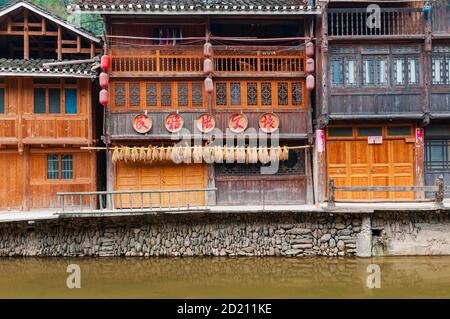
[(136, 176), (354, 162)]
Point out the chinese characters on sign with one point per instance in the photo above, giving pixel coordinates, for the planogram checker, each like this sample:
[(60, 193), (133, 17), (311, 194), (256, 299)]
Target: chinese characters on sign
[(419, 136), (206, 123), (174, 122), (238, 123), (320, 141), (269, 122), (375, 139), (142, 123)]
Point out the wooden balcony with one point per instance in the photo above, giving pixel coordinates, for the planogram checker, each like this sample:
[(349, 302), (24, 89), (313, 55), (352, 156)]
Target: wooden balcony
[(182, 61), (394, 22)]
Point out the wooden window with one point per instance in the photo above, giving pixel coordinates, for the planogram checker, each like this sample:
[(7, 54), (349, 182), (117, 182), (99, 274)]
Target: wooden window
[(119, 94), (297, 93), (337, 73), (183, 94), (340, 132), (151, 94), (370, 131), (440, 68), (221, 93), (2, 96), (283, 93), (197, 94), (375, 71), (54, 96), (399, 130), (166, 94), (437, 151), (252, 93), (135, 94), (235, 93), (406, 71), (266, 93), (59, 166), (343, 72)]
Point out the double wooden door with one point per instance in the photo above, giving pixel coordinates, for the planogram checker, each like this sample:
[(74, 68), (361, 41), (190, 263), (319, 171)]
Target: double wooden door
[(161, 176), (354, 162)]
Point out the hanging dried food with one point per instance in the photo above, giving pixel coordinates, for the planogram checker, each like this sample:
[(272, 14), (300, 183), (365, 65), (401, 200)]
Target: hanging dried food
[(218, 154), (176, 155), (169, 153), (229, 154), (187, 154), (252, 155), (274, 154), (197, 154), (240, 154), (134, 154), (127, 154), (142, 154), (115, 154), (263, 155), (208, 154), (155, 153), (284, 155), (161, 154)]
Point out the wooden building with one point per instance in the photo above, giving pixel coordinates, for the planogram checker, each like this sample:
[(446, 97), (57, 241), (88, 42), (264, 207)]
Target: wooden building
[(46, 111), (158, 73), (383, 97)]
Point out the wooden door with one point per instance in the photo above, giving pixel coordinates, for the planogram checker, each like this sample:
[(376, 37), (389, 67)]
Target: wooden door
[(11, 180), (351, 161), (164, 176)]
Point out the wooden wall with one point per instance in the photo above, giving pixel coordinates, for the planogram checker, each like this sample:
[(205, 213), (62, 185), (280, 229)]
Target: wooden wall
[(11, 179), (20, 125)]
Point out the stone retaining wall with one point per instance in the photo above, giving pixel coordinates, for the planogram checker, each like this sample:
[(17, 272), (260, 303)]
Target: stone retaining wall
[(269, 234)]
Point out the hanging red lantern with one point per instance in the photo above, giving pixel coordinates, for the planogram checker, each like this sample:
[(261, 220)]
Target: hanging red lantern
[(207, 50), (309, 48), (104, 97), (207, 66), (310, 82), (309, 65), (105, 62), (209, 86), (104, 80)]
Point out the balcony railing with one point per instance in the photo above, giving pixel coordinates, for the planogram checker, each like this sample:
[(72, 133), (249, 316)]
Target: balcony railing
[(134, 201), (354, 22), (188, 59)]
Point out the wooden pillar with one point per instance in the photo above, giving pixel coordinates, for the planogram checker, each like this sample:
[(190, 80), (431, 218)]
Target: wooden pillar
[(26, 36), (59, 50), (26, 178), (324, 66), (426, 62), (419, 158)]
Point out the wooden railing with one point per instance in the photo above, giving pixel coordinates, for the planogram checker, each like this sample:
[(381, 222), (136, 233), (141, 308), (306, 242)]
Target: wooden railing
[(264, 59), (184, 59), (351, 22), (438, 189), (157, 60), (134, 201)]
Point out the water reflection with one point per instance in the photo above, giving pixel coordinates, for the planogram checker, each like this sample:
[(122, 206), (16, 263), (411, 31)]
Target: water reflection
[(401, 277)]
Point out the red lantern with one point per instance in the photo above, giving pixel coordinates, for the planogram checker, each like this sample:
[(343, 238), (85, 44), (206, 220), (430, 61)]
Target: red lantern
[(104, 80), (207, 50), (104, 97), (105, 62), (207, 66), (209, 86), (309, 48), (310, 82), (309, 65)]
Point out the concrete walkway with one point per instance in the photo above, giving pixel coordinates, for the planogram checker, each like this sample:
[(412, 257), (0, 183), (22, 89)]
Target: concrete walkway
[(355, 208)]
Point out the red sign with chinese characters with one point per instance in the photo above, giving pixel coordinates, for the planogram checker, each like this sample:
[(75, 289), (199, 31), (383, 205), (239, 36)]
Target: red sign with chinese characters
[(419, 135), (174, 122), (206, 123), (142, 123), (269, 122), (238, 123)]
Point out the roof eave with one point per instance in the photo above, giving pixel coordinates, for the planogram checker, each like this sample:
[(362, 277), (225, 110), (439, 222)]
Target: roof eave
[(197, 12), (50, 17)]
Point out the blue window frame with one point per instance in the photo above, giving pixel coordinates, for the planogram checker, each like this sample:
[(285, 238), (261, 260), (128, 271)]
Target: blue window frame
[(40, 101), (2, 100), (59, 166), (71, 101)]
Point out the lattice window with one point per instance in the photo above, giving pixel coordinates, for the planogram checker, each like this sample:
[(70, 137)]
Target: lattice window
[(336, 67), (413, 71), (437, 153), (135, 94), (283, 95), (252, 93), (52, 167), (438, 71), (66, 167), (297, 93), (235, 92), (183, 91), (119, 94), (197, 94), (266, 93), (151, 94), (375, 71), (166, 94), (221, 93)]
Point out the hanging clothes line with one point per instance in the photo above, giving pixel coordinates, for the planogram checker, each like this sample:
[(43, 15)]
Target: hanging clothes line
[(99, 148)]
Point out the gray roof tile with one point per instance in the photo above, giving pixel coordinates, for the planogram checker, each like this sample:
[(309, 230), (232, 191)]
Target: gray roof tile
[(34, 67)]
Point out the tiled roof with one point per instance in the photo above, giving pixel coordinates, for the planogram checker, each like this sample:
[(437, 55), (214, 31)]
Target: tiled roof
[(196, 6), (35, 67), (51, 16)]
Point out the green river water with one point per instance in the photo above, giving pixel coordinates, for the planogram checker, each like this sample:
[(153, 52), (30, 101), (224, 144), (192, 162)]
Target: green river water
[(201, 277)]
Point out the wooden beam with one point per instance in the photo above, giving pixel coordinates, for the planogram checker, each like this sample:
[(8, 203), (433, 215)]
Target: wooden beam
[(92, 48), (26, 37), (43, 25), (78, 44), (59, 49)]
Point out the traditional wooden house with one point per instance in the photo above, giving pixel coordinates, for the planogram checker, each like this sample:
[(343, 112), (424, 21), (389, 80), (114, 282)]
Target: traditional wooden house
[(205, 69), (46, 112), (378, 90)]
